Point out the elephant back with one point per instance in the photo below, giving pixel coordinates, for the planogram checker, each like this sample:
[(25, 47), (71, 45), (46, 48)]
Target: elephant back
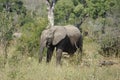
[(73, 33), (59, 34)]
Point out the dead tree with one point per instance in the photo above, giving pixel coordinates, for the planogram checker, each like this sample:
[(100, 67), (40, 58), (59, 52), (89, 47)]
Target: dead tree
[(50, 8)]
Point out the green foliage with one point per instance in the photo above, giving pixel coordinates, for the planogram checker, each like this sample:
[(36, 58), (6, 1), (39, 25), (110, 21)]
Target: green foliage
[(12, 6), (74, 10), (8, 11), (63, 12), (98, 7), (15, 18), (110, 43), (78, 9), (7, 24), (6, 27), (110, 40), (31, 35)]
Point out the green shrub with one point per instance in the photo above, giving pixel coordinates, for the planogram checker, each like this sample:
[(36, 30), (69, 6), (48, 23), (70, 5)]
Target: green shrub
[(29, 42), (110, 42)]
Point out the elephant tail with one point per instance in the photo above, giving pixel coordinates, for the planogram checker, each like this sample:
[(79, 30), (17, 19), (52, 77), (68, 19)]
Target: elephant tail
[(81, 42), (76, 46)]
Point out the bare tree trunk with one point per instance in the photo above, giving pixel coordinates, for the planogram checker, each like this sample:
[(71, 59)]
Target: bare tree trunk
[(50, 8)]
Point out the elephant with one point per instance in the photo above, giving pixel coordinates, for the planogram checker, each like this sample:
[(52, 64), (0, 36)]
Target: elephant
[(64, 38)]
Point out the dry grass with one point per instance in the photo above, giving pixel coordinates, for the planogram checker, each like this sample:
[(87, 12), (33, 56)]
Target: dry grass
[(27, 68)]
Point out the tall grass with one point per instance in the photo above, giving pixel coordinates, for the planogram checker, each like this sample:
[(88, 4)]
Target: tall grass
[(29, 69), (20, 67)]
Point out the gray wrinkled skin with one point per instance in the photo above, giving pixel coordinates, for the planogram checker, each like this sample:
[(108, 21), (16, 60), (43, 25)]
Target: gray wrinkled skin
[(63, 38)]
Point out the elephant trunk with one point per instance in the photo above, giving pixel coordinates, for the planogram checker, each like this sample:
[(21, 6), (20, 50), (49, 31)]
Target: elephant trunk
[(41, 54), (43, 41)]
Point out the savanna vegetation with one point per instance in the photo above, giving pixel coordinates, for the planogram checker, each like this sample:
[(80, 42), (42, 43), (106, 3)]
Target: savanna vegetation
[(21, 24)]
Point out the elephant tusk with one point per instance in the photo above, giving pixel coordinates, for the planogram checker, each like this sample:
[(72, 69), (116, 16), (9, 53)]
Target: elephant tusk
[(76, 45)]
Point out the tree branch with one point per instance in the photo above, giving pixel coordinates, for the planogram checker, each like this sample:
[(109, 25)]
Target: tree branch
[(81, 21)]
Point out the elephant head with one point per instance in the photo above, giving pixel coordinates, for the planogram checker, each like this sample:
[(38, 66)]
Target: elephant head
[(51, 36), (55, 35)]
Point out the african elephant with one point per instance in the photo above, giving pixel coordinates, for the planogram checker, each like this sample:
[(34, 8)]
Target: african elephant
[(63, 38)]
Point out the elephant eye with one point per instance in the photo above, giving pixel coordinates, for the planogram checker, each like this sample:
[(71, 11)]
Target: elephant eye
[(48, 38)]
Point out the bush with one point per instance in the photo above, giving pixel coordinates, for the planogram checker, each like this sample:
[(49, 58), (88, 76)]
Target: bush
[(29, 42), (110, 42)]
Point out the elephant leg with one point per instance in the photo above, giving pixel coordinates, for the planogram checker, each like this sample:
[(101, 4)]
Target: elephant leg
[(58, 56), (41, 54), (49, 54), (79, 49)]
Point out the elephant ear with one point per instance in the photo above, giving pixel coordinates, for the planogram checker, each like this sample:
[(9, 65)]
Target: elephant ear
[(59, 34), (43, 38)]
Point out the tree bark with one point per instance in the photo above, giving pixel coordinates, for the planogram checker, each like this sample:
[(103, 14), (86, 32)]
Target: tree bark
[(50, 9)]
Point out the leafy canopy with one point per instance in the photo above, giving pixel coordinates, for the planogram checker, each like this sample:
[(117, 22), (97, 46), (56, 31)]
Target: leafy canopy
[(72, 11)]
